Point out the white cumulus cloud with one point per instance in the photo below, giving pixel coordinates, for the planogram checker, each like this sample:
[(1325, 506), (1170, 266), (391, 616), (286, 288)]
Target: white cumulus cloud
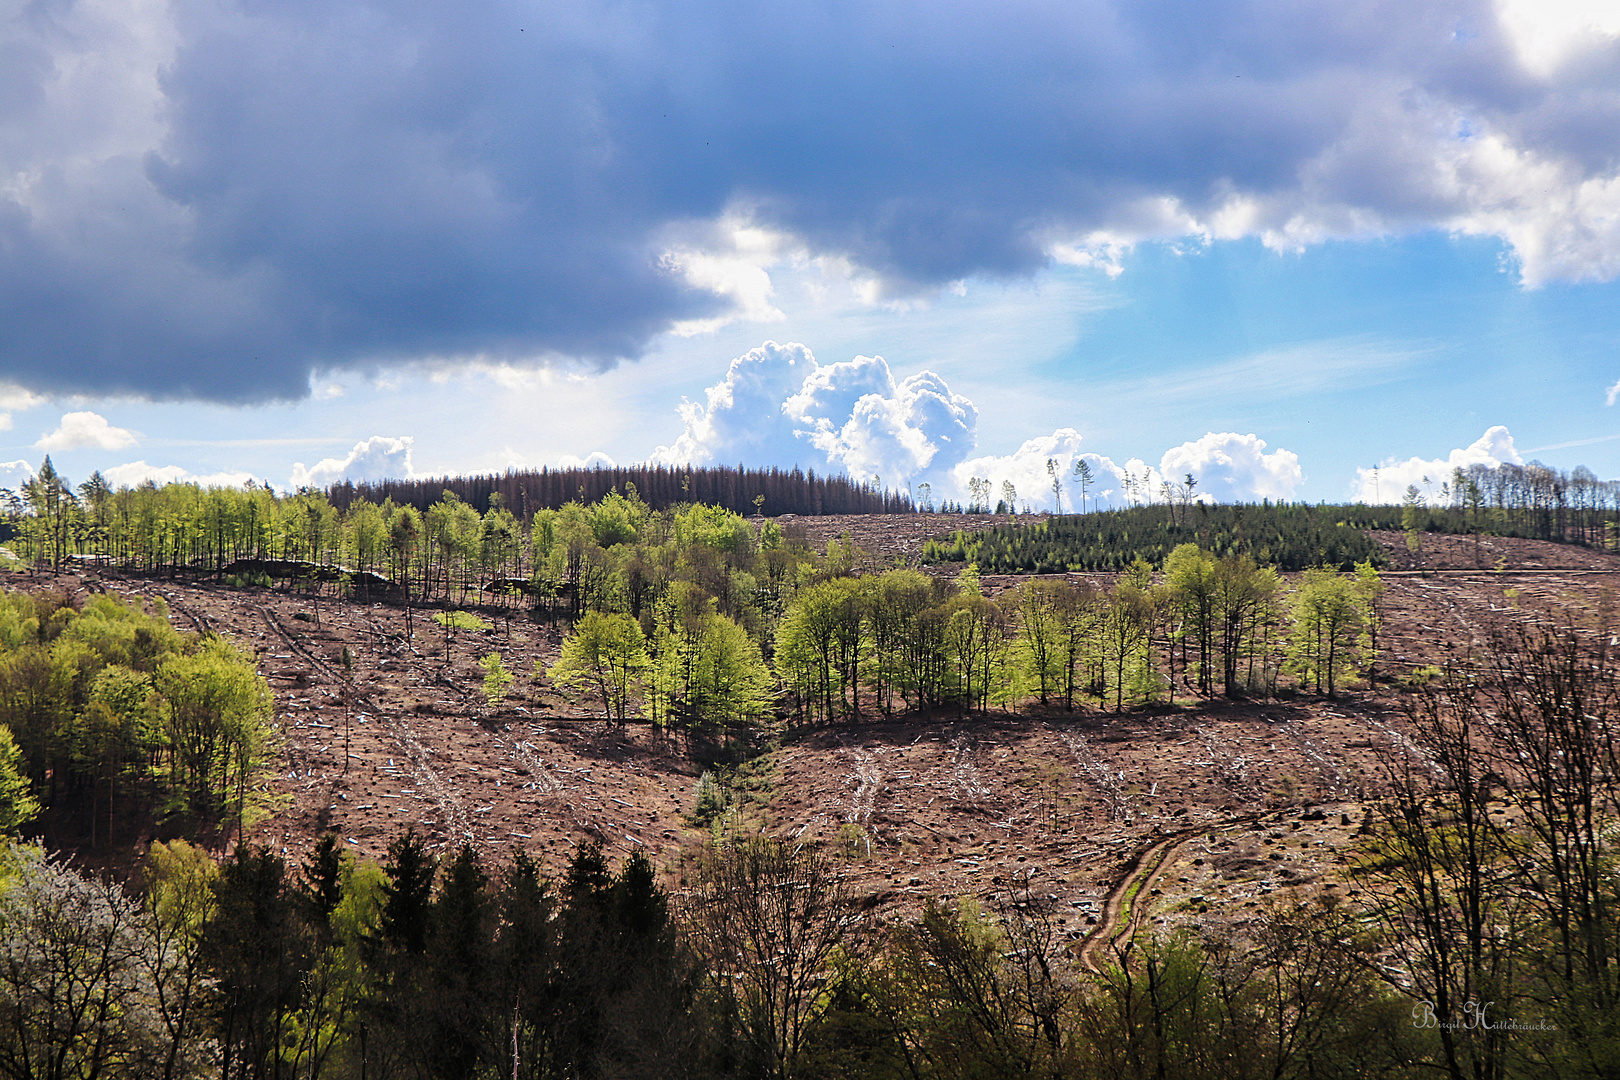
[(1234, 468), (596, 460), (14, 474), (82, 429), (778, 406), (859, 417), (1025, 468), (742, 415), (1112, 484), (135, 473), (377, 458), (1228, 467), (1387, 482)]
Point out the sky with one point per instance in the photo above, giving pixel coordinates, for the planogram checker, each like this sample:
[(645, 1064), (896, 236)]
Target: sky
[(1314, 251)]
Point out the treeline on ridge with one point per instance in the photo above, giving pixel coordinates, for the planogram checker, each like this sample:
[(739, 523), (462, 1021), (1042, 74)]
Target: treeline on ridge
[(448, 549), (697, 618), (784, 491)]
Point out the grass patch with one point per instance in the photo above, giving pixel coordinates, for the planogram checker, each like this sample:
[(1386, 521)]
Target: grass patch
[(461, 620)]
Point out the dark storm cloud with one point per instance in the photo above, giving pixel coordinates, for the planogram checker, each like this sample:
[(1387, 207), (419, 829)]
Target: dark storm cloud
[(248, 192)]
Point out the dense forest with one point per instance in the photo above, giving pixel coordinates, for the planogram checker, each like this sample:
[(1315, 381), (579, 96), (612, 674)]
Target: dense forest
[(741, 490), (1474, 940), (108, 714)]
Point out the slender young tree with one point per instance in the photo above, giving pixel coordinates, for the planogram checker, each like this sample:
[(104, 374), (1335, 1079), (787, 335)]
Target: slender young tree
[(1085, 477)]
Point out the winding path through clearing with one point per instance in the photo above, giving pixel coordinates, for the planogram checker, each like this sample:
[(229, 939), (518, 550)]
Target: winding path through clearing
[(1122, 912)]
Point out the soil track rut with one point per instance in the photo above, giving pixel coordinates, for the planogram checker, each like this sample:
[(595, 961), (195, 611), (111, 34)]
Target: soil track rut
[(1133, 886)]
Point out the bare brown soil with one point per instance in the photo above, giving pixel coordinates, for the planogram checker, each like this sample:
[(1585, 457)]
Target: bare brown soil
[(889, 538), (1216, 805)]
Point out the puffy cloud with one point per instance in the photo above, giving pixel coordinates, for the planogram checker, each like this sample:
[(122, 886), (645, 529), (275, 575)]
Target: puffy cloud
[(1112, 484), (1025, 468), (15, 399), (1229, 468), (742, 417), (82, 429), (1612, 393), (596, 460), (778, 406), (1234, 468), (377, 458), (1388, 481), (136, 473), (861, 419), (229, 198), (14, 474)]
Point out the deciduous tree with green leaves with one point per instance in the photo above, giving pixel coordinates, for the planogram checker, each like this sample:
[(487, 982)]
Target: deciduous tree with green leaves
[(606, 653), (1328, 619), (17, 804)]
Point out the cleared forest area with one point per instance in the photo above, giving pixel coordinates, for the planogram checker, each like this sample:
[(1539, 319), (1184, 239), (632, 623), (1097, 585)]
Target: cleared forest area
[(1102, 836)]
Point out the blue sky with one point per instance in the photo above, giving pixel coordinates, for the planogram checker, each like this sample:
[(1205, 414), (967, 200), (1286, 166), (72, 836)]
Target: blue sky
[(1274, 249)]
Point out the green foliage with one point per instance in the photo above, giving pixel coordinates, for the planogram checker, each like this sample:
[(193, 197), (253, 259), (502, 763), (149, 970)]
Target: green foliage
[(819, 644), (712, 800), (461, 620), (216, 715), (606, 653), (1329, 613), (1290, 537), (497, 679), (249, 581), (712, 527), (17, 806), (1422, 676), (111, 698), (709, 674), (1414, 519)]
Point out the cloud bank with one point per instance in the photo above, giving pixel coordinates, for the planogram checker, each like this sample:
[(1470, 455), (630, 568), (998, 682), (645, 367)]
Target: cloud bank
[(1387, 482), (135, 473), (213, 200), (1228, 467), (778, 406), (377, 458), (1234, 468)]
